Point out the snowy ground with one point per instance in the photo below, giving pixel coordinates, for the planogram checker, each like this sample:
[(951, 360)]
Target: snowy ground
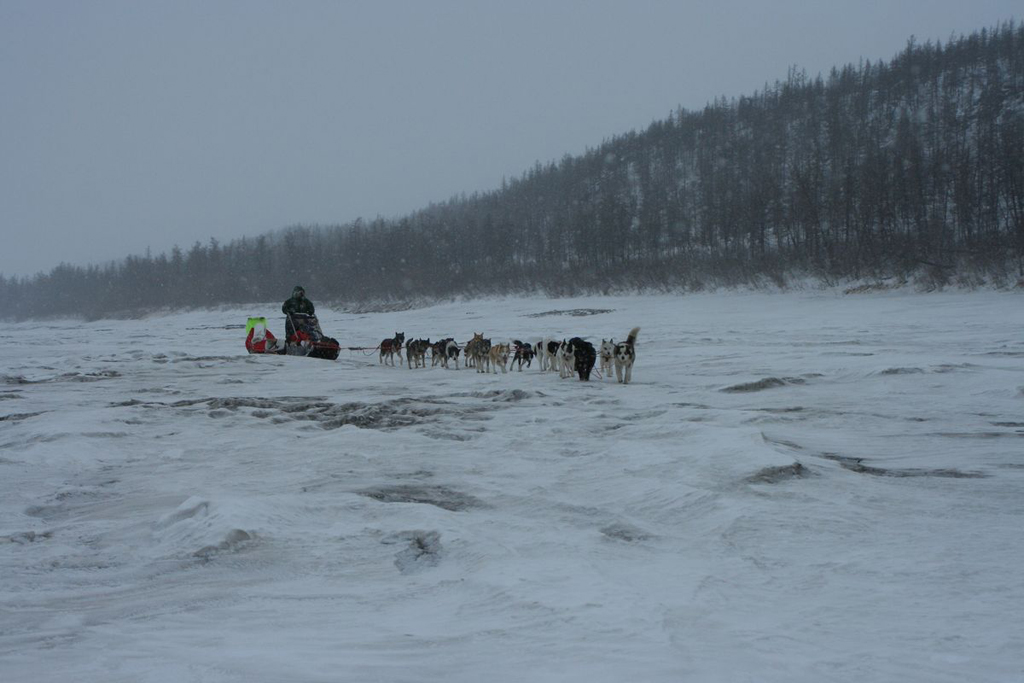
[(796, 487)]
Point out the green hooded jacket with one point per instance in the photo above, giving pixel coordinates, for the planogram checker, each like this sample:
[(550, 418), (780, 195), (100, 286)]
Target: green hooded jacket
[(298, 303)]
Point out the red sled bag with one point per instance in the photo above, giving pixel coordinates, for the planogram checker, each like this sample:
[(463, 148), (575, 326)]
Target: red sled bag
[(258, 339)]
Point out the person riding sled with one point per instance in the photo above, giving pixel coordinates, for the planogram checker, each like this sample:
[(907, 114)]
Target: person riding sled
[(302, 330), (298, 303)]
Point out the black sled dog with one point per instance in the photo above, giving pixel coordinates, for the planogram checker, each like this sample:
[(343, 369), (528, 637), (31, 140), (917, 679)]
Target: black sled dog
[(584, 356), (524, 353)]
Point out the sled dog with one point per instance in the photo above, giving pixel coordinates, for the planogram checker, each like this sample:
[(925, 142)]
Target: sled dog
[(498, 356), (549, 355), (524, 353), (607, 353), (451, 352), (416, 352), (478, 351), (390, 347), (482, 356), (439, 352), (625, 356), (584, 355), (567, 360), (470, 351)]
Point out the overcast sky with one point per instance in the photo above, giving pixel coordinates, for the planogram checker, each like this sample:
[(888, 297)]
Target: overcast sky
[(127, 125)]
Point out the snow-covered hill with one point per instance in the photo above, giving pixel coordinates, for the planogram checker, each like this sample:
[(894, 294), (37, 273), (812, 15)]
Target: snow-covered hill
[(796, 487)]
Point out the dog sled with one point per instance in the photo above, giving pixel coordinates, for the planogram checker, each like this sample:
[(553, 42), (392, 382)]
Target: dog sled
[(305, 338)]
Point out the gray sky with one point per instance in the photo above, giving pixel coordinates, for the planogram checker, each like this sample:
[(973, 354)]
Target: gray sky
[(127, 125)]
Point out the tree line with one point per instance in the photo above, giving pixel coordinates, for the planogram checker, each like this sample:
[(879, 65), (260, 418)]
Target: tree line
[(903, 168)]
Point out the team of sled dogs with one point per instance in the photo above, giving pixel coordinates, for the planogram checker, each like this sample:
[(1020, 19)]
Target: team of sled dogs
[(566, 357)]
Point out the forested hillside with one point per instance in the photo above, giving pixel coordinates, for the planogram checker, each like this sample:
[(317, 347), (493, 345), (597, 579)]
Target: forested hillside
[(907, 168)]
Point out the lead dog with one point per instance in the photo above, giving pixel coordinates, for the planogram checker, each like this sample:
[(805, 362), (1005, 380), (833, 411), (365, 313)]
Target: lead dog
[(625, 356), (584, 357)]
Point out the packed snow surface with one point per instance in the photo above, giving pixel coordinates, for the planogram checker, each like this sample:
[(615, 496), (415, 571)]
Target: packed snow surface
[(795, 487)]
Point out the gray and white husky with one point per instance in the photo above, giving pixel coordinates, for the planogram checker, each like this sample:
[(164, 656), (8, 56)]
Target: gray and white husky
[(625, 356)]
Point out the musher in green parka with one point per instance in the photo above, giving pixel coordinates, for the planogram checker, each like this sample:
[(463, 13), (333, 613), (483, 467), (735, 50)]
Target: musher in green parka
[(297, 304)]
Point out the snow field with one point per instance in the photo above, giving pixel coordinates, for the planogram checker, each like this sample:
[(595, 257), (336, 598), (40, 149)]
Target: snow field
[(796, 487)]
